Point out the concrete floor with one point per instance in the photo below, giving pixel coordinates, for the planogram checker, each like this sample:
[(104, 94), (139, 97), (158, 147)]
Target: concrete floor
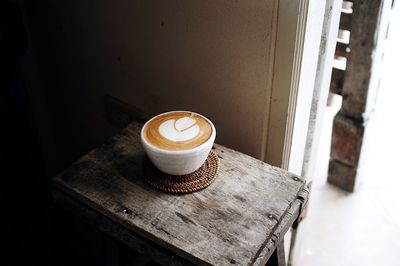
[(361, 228)]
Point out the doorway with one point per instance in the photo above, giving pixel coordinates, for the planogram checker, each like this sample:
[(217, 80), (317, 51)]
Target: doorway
[(360, 228)]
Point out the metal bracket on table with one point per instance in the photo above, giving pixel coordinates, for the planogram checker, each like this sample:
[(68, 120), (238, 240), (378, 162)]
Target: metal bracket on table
[(303, 199)]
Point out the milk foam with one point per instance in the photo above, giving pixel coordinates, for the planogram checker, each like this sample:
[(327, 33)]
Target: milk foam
[(182, 129)]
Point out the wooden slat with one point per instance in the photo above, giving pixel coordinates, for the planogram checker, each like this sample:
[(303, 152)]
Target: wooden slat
[(340, 63), (343, 36), (161, 255), (347, 7), (118, 232), (228, 223)]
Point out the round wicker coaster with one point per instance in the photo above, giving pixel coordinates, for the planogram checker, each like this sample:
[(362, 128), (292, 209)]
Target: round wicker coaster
[(195, 181)]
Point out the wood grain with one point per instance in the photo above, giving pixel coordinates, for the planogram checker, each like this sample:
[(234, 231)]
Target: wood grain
[(230, 222)]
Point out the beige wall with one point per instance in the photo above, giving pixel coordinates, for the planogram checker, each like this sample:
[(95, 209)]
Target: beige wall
[(207, 56)]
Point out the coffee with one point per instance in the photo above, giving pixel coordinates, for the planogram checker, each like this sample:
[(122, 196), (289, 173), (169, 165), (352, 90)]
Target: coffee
[(177, 131)]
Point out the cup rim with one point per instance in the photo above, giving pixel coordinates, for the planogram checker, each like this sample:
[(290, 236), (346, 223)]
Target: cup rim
[(211, 139)]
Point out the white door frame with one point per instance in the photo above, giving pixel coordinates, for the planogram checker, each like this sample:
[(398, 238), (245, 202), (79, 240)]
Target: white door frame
[(293, 28)]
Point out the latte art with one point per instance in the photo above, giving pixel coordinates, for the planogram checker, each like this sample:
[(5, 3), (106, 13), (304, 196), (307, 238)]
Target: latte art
[(182, 129), (177, 131)]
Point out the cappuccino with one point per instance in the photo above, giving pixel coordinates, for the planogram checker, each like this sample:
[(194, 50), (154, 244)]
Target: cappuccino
[(177, 131)]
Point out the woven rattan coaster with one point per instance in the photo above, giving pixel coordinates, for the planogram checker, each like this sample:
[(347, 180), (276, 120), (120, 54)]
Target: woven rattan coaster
[(195, 181)]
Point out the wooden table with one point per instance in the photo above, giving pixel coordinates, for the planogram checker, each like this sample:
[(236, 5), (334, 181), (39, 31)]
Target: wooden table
[(240, 219)]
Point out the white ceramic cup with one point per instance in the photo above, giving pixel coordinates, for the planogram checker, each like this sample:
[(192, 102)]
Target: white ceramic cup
[(178, 162)]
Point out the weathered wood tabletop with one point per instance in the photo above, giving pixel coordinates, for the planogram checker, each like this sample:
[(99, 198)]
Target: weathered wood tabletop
[(239, 219)]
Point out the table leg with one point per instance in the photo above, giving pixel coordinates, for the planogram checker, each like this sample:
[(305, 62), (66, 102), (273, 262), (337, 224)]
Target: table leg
[(278, 257)]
